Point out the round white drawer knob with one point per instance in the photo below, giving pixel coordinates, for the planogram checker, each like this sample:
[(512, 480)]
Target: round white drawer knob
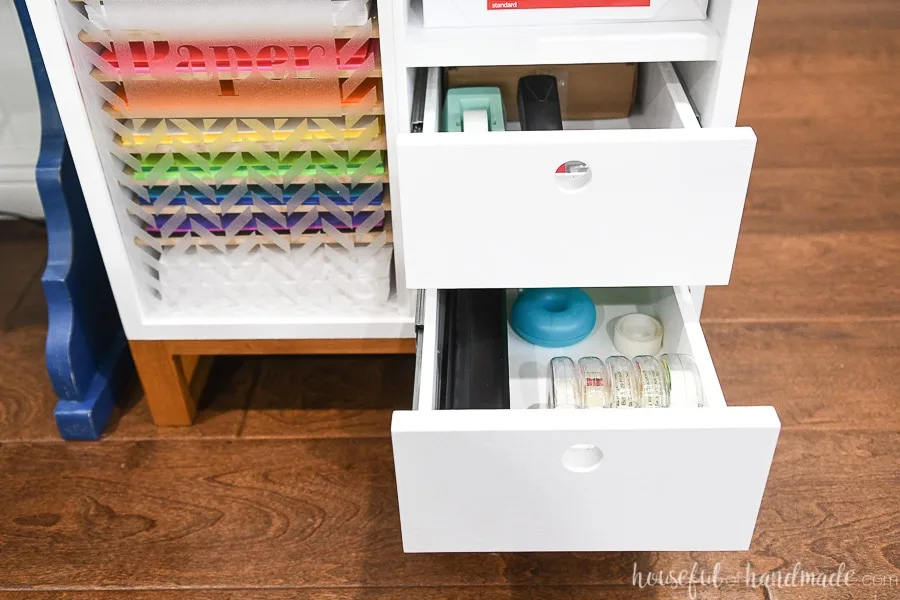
[(582, 458)]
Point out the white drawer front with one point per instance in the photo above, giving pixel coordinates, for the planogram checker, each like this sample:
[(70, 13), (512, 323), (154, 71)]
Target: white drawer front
[(582, 480), (663, 205)]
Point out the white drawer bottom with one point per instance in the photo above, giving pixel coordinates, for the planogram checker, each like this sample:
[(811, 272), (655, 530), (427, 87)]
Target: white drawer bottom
[(507, 480)]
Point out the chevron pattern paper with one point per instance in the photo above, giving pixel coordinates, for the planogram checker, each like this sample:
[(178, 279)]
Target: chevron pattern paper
[(246, 162)]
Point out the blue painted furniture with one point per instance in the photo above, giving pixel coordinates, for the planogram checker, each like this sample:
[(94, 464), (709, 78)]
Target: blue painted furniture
[(87, 354)]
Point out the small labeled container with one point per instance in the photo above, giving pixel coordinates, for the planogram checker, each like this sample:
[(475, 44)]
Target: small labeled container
[(564, 384), (683, 381), (623, 385), (594, 382), (651, 377)]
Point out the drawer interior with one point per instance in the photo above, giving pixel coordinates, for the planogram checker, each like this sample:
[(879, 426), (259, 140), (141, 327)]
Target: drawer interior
[(660, 101), (527, 364)]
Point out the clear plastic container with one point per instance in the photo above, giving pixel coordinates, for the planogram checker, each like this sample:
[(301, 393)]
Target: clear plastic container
[(652, 381), (683, 381), (564, 384), (623, 385), (594, 382)]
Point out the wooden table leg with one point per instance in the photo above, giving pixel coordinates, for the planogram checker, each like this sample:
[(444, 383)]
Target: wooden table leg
[(168, 380), (173, 372)]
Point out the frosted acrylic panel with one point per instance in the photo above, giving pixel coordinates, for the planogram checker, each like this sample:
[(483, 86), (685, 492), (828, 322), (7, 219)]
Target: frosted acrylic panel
[(243, 143)]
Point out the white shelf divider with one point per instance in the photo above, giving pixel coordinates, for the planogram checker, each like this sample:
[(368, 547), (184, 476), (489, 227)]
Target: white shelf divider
[(559, 44)]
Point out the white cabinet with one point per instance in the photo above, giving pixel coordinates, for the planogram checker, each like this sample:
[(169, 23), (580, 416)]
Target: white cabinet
[(654, 221)]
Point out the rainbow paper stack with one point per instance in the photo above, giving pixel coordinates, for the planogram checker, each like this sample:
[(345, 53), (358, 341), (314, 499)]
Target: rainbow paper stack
[(246, 138)]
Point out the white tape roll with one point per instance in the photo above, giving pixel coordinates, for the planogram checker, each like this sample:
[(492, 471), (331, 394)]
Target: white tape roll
[(685, 388), (652, 381), (565, 387), (624, 390), (638, 334), (475, 121), (594, 382)]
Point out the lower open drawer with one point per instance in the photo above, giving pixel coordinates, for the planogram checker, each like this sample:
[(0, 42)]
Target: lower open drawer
[(679, 478)]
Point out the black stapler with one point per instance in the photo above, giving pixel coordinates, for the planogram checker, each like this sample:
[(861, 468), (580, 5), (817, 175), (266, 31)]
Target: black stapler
[(539, 109)]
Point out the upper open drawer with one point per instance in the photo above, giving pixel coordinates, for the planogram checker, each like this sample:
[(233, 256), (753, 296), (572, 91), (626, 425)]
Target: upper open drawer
[(661, 203)]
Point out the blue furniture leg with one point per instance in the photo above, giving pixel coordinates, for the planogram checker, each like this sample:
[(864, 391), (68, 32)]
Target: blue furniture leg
[(87, 353)]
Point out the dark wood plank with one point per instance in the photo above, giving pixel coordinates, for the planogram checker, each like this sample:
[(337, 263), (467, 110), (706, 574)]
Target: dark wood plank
[(19, 231), (301, 513), (859, 98), (245, 513), (329, 396), (27, 399), (23, 253), (825, 37), (800, 277), (817, 375), (821, 86), (812, 200), (31, 309), (26, 396), (811, 142), (607, 592), (785, 48), (807, 120), (879, 590)]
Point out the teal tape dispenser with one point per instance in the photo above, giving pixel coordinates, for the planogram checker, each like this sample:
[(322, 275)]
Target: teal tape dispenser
[(473, 109)]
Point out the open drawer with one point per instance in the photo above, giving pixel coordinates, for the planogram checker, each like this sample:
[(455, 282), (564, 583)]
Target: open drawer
[(679, 478), (661, 203)]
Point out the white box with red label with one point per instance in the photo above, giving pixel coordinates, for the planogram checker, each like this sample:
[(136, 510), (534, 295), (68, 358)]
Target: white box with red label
[(499, 13)]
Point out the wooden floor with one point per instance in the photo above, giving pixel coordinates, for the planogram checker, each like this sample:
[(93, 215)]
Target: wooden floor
[(285, 489)]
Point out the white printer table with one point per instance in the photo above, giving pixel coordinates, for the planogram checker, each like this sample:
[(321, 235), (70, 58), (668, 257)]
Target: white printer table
[(253, 176)]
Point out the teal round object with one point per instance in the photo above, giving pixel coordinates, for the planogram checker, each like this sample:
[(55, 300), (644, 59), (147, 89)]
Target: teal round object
[(553, 318)]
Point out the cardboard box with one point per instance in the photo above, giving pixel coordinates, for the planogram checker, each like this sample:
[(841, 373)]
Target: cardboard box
[(502, 13), (586, 92)]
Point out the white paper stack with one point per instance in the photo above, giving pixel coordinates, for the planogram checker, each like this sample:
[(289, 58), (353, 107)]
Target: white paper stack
[(268, 280)]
